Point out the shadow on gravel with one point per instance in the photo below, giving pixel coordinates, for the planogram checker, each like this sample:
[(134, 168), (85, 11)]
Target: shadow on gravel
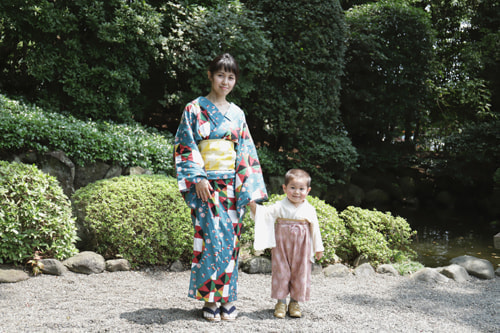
[(159, 316), (149, 316)]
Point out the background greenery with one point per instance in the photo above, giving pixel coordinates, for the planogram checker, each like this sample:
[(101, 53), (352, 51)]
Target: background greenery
[(35, 216), (334, 87), (140, 218)]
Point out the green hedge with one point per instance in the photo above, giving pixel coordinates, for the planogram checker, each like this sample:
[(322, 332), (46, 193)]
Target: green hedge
[(27, 127), (35, 215), (141, 218)]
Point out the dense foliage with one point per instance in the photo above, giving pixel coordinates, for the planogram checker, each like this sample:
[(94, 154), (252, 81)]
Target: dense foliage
[(297, 103), (35, 216), (85, 57), (140, 218), (388, 63), (24, 127), (196, 33), (474, 154), (380, 237)]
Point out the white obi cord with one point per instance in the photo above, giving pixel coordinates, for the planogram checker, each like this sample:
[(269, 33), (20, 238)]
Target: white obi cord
[(218, 154)]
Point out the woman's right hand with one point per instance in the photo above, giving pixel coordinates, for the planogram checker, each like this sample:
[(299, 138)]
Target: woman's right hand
[(203, 189)]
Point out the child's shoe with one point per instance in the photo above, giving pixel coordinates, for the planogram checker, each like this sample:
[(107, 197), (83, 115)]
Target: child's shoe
[(294, 310), (280, 310)]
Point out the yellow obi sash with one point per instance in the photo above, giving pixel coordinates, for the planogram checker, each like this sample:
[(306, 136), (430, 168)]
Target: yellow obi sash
[(218, 154)]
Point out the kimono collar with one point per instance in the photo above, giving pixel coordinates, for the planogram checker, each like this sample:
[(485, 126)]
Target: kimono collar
[(213, 112)]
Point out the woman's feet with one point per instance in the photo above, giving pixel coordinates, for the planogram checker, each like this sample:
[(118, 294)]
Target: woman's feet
[(211, 312), (228, 311)]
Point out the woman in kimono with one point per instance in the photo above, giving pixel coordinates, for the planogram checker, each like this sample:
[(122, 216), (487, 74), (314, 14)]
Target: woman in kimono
[(218, 172)]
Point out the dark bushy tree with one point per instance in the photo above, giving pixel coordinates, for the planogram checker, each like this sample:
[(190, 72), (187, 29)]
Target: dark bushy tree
[(85, 57), (388, 64), (195, 35), (296, 105)]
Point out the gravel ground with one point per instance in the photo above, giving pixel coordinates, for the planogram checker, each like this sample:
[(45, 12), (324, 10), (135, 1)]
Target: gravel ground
[(156, 301)]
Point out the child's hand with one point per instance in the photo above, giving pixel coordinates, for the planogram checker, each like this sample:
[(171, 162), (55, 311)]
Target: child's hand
[(253, 207), (319, 255)]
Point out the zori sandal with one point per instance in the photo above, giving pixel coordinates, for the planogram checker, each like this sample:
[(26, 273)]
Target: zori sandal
[(211, 315), (228, 314)]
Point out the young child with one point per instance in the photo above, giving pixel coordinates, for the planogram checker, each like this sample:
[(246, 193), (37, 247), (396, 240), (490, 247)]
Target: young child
[(290, 227)]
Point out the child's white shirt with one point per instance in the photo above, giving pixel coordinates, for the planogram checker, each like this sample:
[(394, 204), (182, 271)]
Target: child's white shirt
[(266, 216)]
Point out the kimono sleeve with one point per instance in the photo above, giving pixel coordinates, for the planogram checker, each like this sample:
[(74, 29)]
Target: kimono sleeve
[(316, 240), (265, 218), (249, 185), (189, 164)]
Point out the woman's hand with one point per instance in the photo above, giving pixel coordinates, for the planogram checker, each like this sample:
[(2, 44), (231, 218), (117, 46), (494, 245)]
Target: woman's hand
[(203, 189), (319, 255)]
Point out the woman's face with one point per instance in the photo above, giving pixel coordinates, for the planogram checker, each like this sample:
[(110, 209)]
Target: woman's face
[(222, 82)]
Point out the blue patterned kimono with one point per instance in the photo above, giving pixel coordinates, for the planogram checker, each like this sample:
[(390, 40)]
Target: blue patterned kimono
[(217, 223)]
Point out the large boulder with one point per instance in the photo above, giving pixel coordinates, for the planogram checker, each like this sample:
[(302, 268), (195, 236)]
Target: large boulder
[(429, 275), (53, 267), (257, 265), (86, 262), (364, 270), (12, 275), (387, 270), (455, 272), (480, 268), (336, 270)]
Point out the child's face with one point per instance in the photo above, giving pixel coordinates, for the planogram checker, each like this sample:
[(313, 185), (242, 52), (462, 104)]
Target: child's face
[(296, 191)]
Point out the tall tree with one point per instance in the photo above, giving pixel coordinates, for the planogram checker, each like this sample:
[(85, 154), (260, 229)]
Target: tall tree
[(85, 57), (297, 100), (388, 63)]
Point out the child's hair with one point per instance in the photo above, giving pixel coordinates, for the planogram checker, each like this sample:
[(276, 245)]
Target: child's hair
[(225, 62), (297, 173)]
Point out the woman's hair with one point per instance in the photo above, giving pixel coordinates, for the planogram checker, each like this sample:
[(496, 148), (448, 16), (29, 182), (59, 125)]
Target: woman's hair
[(297, 173), (226, 63)]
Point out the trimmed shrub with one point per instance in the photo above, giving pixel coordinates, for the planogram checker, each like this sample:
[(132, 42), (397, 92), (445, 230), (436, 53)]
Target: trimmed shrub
[(35, 215), (332, 228), (141, 218), (24, 127), (381, 237)]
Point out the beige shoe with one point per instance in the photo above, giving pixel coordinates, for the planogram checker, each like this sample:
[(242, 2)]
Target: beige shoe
[(294, 310), (280, 310)]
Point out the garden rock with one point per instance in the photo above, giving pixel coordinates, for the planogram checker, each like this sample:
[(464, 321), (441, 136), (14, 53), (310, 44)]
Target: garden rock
[(90, 173), (257, 265), (497, 272), (316, 269), (177, 266), (115, 265), (429, 275), (52, 267), (57, 164), (480, 268), (360, 260), (387, 269), (336, 270), (86, 262), (364, 270), (12, 275), (455, 272)]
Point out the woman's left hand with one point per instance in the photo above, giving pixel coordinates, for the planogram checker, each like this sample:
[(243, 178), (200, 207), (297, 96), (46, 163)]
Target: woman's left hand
[(203, 190)]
